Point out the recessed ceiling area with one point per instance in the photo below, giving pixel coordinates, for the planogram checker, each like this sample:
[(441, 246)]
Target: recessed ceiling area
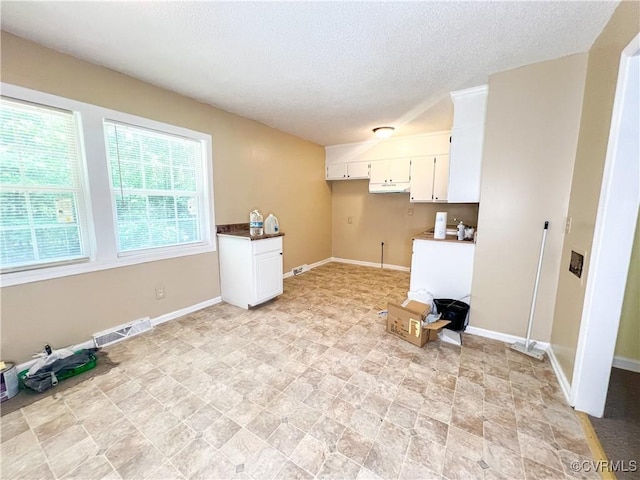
[(328, 72)]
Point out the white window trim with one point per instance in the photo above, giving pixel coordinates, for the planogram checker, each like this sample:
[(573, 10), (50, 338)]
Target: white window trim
[(202, 196), (100, 210)]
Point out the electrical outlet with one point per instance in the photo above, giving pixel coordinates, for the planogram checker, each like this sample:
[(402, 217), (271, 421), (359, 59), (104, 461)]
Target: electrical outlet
[(160, 292), (411, 212), (349, 220), (567, 227)]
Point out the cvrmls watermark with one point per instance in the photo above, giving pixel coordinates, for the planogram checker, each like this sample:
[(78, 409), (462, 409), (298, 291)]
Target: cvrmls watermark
[(604, 466)]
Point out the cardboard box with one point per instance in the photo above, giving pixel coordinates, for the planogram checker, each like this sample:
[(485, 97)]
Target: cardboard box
[(406, 323)]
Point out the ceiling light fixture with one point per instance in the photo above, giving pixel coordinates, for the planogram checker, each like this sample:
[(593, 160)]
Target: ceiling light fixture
[(383, 132)]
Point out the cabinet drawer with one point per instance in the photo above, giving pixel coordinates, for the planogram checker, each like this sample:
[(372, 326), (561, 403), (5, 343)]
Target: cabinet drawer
[(266, 245)]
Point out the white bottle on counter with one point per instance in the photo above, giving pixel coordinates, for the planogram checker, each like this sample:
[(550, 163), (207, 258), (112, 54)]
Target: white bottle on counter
[(256, 223), (271, 226), (461, 231), (440, 228)]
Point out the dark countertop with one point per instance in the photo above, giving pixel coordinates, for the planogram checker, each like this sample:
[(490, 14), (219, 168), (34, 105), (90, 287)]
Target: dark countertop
[(449, 238), (242, 230)]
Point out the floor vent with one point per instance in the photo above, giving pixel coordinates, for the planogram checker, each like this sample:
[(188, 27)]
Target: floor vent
[(300, 269), (122, 332)]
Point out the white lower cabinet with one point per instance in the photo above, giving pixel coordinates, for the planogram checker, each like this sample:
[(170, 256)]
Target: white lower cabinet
[(250, 270), (443, 268), (268, 275)]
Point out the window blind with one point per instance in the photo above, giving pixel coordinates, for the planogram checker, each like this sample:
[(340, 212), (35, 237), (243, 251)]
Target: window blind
[(157, 187), (41, 197)]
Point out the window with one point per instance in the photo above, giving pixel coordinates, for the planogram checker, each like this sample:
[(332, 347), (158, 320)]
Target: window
[(41, 197), (85, 188), (155, 187)]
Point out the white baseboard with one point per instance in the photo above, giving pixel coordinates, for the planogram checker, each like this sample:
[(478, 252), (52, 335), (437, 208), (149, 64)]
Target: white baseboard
[(503, 337), (387, 266), (565, 386), (370, 264), (311, 266), (185, 311), (155, 321), (627, 364)]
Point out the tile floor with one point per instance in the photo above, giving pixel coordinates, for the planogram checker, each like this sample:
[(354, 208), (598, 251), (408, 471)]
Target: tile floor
[(309, 385)]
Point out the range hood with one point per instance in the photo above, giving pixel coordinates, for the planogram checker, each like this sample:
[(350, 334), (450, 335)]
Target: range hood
[(389, 187)]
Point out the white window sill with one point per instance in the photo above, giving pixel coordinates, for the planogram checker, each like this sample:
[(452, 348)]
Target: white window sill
[(37, 275)]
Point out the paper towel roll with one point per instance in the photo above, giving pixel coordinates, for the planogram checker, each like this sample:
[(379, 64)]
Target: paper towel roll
[(440, 229)]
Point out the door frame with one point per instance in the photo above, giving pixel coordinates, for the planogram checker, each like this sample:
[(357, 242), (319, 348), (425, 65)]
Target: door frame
[(612, 244)]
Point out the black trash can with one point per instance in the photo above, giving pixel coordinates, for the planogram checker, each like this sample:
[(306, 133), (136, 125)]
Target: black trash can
[(453, 310)]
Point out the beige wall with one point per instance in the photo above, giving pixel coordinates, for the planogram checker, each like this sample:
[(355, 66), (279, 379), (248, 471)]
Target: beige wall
[(533, 116), (602, 74), (254, 167), (628, 344), (383, 218)]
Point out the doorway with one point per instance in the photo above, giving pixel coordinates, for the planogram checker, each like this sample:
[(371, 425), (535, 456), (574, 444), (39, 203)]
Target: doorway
[(612, 242)]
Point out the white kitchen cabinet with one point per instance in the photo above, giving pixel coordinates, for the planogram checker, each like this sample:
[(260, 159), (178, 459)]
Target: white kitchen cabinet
[(443, 268), (250, 270), (337, 172), (429, 179), (441, 178), (395, 170), (357, 170), (421, 184), (467, 142), (348, 171)]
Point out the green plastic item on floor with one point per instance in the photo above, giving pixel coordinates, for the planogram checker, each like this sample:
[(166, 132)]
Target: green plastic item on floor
[(64, 375)]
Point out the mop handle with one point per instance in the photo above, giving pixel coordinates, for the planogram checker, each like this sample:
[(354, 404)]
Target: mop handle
[(535, 287)]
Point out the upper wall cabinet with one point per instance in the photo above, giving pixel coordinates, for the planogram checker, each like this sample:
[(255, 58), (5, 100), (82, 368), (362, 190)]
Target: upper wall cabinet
[(390, 171), (347, 171), (429, 179), (353, 160), (467, 141)]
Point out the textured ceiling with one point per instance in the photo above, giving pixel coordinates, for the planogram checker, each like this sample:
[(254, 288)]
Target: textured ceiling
[(325, 71)]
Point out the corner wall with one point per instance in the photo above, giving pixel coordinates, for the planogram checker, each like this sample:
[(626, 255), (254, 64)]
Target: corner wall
[(595, 124), (254, 166), (531, 133)]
